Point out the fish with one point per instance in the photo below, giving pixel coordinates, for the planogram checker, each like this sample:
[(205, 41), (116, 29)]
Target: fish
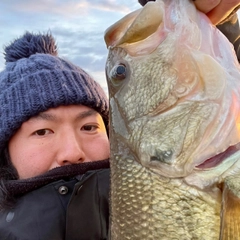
[(174, 92)]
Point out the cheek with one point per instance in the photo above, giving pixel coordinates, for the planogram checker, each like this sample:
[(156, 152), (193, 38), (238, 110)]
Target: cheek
[(28, 160), (98, 149)]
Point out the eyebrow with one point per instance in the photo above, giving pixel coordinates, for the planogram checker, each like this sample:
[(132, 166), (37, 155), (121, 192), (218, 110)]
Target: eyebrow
[(87, 113), (52, 117)]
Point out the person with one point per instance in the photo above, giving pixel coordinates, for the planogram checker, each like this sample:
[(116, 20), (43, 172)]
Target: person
[(54, 146), (223, 14)]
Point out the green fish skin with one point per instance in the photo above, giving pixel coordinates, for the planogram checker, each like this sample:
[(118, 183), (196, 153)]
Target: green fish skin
[(174, 90)]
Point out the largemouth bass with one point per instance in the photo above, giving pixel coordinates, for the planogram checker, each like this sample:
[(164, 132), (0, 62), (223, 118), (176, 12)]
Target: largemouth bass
[(174, 91)]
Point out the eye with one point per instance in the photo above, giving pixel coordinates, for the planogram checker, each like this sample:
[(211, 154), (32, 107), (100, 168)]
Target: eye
[(89, 128), (42, 132), (118, 73)]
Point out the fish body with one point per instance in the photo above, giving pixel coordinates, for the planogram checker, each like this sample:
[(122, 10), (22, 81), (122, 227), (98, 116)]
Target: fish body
[(174, 88)]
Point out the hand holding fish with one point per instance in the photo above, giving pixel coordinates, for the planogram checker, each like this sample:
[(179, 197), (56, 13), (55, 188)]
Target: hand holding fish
[(217, 10)]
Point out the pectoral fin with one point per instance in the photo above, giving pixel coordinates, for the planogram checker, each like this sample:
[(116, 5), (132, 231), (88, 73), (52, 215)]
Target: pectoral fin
[(230, 215)]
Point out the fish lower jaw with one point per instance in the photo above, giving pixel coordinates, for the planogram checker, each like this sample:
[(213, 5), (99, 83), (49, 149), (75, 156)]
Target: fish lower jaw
[(208, 173), (219, 158), (206, 178)]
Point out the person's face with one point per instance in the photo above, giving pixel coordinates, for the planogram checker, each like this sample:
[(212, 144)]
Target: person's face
[(59, 136)]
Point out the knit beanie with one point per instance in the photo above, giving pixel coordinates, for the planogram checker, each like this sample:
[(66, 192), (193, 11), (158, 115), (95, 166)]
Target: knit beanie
[(36, 79)]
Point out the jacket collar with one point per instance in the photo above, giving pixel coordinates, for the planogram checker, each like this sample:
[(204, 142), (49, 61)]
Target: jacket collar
[(20, 187)]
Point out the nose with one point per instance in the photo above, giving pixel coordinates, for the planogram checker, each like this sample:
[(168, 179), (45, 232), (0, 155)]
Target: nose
[(70, 150)]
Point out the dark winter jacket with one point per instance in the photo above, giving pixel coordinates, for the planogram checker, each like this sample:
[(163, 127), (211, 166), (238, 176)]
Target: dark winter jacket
[(69, 208), (230, 28)]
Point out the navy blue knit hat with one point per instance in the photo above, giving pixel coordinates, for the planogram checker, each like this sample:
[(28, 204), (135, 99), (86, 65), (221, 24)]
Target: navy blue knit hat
[(36, 79)]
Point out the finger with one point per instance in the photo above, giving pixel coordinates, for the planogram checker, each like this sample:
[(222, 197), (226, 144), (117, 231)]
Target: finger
[(206, 5), (224, 8), (143, 2)]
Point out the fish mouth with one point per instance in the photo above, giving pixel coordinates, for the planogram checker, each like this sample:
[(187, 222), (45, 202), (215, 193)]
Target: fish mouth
[(219, 158)]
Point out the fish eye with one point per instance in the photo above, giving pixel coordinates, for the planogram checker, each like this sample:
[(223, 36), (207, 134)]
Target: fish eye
[(118, 73)]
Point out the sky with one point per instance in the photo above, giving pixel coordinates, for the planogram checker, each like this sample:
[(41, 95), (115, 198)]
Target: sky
[(77, 25)]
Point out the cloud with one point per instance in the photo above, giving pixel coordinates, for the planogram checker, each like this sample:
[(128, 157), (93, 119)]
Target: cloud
[(78, 26), (70, 8)]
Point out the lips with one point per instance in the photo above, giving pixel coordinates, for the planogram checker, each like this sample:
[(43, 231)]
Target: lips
[(219, 158)]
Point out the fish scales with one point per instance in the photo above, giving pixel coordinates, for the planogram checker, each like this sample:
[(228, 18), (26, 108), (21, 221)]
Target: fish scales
[(145, 206), (174, 93)]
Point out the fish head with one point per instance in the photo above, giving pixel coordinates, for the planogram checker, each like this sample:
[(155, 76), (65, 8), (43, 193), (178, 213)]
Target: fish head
[(173, 91)]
